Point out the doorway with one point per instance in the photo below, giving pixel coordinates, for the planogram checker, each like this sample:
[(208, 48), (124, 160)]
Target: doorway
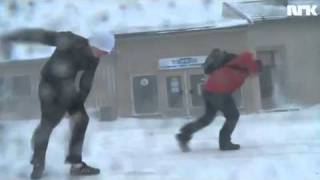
[(183, 92), (272, 79), (145, 94)]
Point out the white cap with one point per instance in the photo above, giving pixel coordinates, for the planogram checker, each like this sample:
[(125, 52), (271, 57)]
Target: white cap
[(102, 40)]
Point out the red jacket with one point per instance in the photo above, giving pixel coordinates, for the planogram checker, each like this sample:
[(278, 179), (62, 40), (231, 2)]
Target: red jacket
[(231, 76)]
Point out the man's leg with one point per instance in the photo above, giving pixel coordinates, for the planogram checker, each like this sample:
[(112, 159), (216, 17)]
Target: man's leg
[(51, 116), (189, 129), (231, 114), (80, 120)]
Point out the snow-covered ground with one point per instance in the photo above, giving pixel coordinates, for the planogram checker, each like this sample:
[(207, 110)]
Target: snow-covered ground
[(275, 146)]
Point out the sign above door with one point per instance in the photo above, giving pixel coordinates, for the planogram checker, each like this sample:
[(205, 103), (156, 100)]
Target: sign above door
[(181, 62)]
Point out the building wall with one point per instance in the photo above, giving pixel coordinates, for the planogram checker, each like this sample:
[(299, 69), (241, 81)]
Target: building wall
[(297, 42), (104, 85), (139, 55), (17, 106), (27, 107)]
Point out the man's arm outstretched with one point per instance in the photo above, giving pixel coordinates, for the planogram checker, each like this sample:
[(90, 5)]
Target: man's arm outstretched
[(32, 35), (62, 40)]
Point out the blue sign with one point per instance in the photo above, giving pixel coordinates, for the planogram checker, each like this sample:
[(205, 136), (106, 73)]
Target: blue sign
[(181, 62)]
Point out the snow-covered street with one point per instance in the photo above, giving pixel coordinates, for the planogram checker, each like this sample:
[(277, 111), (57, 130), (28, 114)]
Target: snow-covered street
[(150, 60), (277, 146)]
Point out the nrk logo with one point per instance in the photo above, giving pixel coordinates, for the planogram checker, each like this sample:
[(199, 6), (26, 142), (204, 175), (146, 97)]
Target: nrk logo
[(302, 10)]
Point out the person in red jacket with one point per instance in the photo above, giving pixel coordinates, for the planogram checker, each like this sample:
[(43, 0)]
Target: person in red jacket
[(217, 95)]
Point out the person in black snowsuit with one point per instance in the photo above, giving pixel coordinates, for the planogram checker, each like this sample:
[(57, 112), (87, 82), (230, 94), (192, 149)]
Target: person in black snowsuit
[(59, 92)]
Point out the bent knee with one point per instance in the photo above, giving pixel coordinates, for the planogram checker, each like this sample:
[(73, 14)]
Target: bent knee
[(233, 116), (205, 120), (80, 117)]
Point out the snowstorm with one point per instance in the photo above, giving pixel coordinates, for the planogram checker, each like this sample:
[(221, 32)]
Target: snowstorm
[(159, 89)]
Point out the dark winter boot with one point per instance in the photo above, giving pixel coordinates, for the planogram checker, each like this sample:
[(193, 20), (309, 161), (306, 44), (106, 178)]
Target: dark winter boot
[(183, 142), (83, 169), (37, 171), (227, 146), (225, 143)]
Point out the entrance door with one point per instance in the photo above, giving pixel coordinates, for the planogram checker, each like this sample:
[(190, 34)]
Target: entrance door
[(175, 93), (196, 82), (196, 78), (272, 81), (145, 94), (183, 92)]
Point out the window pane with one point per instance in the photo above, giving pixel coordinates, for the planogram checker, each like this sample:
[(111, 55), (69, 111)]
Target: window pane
[(196, 81), (174, 91)]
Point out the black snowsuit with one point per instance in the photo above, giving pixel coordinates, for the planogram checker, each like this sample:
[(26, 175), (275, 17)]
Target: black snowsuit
[(58, 90)]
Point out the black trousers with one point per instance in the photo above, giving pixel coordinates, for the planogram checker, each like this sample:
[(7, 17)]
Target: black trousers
[(214, 103), (54, 104)]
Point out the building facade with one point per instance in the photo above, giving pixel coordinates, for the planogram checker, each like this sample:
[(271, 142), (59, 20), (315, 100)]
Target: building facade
[(160, 74)]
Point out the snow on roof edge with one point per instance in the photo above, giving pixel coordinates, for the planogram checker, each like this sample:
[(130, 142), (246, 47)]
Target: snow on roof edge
[(218, 25), (255, 17)]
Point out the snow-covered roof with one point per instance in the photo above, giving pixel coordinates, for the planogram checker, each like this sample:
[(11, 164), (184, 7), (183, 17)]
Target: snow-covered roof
[(315, 2), (120, 16), (128, 16), (257, 10)]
